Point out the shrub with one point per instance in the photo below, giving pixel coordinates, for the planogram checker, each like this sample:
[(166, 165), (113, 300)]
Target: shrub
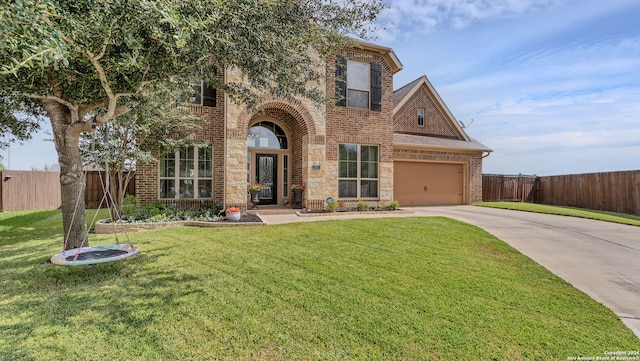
[(163, 212), (130, 205), (332, 206), (394, 205), (363, 206)]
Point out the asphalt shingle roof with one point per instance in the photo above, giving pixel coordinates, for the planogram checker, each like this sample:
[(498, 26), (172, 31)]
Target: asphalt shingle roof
[(421, 140)]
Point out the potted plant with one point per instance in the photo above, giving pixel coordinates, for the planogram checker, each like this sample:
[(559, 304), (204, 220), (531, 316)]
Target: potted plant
[(297, 189), (233, 214), (255, 189)]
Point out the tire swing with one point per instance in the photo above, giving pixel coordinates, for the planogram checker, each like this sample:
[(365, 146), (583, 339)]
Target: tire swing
[(102, 253)]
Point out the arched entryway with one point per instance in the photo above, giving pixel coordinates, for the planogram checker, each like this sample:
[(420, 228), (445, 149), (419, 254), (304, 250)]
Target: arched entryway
[(269, 159), (256, 139)]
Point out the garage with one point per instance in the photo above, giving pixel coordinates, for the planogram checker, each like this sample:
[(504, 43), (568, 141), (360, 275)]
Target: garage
[(426, 184)]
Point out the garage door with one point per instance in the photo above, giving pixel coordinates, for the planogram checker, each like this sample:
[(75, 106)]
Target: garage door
[(426, 184)]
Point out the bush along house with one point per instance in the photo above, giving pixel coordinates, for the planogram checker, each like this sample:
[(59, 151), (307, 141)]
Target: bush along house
[(375, 145)]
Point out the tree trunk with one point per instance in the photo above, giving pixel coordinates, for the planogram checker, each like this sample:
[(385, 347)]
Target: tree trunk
[(72, 178), (117, 193)]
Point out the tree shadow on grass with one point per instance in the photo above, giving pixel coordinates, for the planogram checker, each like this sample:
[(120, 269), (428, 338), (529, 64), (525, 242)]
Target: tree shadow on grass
[(72, 303), (25, 227)]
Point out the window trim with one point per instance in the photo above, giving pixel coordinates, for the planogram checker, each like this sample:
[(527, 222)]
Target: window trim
[(421, 117), (205, 101), (359, 178), (364, 90), (375, 84), (196, 178)]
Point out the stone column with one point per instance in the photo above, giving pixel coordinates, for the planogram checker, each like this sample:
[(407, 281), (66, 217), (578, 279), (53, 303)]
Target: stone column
[(236, 174), (386, 183), (313, 171)]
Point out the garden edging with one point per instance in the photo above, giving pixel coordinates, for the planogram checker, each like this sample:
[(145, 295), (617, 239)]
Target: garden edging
[(104, 226), (318, 214)]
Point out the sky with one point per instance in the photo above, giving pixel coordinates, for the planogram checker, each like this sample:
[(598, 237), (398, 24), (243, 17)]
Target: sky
[(553, 87)]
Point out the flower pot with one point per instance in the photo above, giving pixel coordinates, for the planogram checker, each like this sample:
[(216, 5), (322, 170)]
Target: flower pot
[(297, 198), (255, 198), (233, 216)]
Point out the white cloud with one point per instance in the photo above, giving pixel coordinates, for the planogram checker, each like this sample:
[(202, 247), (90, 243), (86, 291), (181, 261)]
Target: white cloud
[(422, 16)]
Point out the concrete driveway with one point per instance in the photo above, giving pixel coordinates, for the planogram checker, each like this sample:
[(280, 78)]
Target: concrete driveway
[(599, 258)]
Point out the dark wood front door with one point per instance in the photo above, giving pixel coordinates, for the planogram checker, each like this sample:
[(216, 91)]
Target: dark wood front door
[(266, 171)]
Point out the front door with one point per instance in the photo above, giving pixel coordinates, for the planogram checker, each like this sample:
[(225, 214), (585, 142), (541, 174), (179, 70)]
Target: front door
[(266, 171)]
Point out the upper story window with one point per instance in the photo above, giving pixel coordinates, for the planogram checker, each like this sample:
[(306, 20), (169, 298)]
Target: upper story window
[(421, 117), (358, 84), (205, 95)]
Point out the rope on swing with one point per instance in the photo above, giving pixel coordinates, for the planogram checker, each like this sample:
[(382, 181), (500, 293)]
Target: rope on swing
[(85, 255), (112, 212)]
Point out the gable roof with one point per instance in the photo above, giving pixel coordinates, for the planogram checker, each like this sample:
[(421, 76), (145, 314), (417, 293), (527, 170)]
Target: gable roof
[(402, 95), (386, 53)]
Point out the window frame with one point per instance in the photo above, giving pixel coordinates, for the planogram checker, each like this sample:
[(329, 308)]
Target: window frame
[(421, 117), (192, 174), (374, 92), (351, 66), (359, 178), (202, 98)]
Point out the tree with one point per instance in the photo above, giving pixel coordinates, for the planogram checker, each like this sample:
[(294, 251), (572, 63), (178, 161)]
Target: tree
[(88, 62), (164, 111)]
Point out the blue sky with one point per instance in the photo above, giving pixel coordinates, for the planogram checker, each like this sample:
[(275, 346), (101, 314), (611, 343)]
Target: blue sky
[(553, 87)]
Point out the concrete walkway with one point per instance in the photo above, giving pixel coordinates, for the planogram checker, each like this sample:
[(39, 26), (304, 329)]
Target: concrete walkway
[(601, 259)]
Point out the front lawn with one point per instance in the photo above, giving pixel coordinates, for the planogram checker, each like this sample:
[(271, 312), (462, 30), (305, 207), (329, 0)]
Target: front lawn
[(566, 211), (410, 288)]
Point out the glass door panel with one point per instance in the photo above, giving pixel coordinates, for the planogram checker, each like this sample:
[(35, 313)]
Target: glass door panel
[(266, 175)]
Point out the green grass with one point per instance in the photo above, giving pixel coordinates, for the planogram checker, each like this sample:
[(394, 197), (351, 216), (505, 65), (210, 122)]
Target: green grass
[(369, 289), (566, 211)]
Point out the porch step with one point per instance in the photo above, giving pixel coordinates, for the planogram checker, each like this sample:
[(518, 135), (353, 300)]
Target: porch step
[(272, 210)]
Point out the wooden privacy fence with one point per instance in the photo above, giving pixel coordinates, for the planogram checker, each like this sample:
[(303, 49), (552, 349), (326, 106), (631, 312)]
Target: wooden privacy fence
[(36, 190), (94, 190), (29, 190), (612, 191), (515, 188)]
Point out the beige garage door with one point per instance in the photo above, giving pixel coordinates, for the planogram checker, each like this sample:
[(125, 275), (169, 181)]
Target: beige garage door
[(426, 184)]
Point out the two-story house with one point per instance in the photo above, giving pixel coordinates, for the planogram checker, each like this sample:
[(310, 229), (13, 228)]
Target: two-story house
[(375, 144)]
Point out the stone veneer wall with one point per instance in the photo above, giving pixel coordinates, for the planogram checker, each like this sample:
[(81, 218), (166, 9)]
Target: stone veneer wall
[(304, 122), (472, 160), (361, 126)]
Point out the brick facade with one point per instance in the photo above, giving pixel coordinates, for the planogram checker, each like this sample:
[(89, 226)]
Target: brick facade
[(472, 167), (439, 124), (212, 132), (362, 126), (314, 132), (435, 123)]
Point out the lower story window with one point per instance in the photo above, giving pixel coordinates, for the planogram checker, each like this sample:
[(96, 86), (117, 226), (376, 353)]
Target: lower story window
[(357, 171), (186, 174)]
